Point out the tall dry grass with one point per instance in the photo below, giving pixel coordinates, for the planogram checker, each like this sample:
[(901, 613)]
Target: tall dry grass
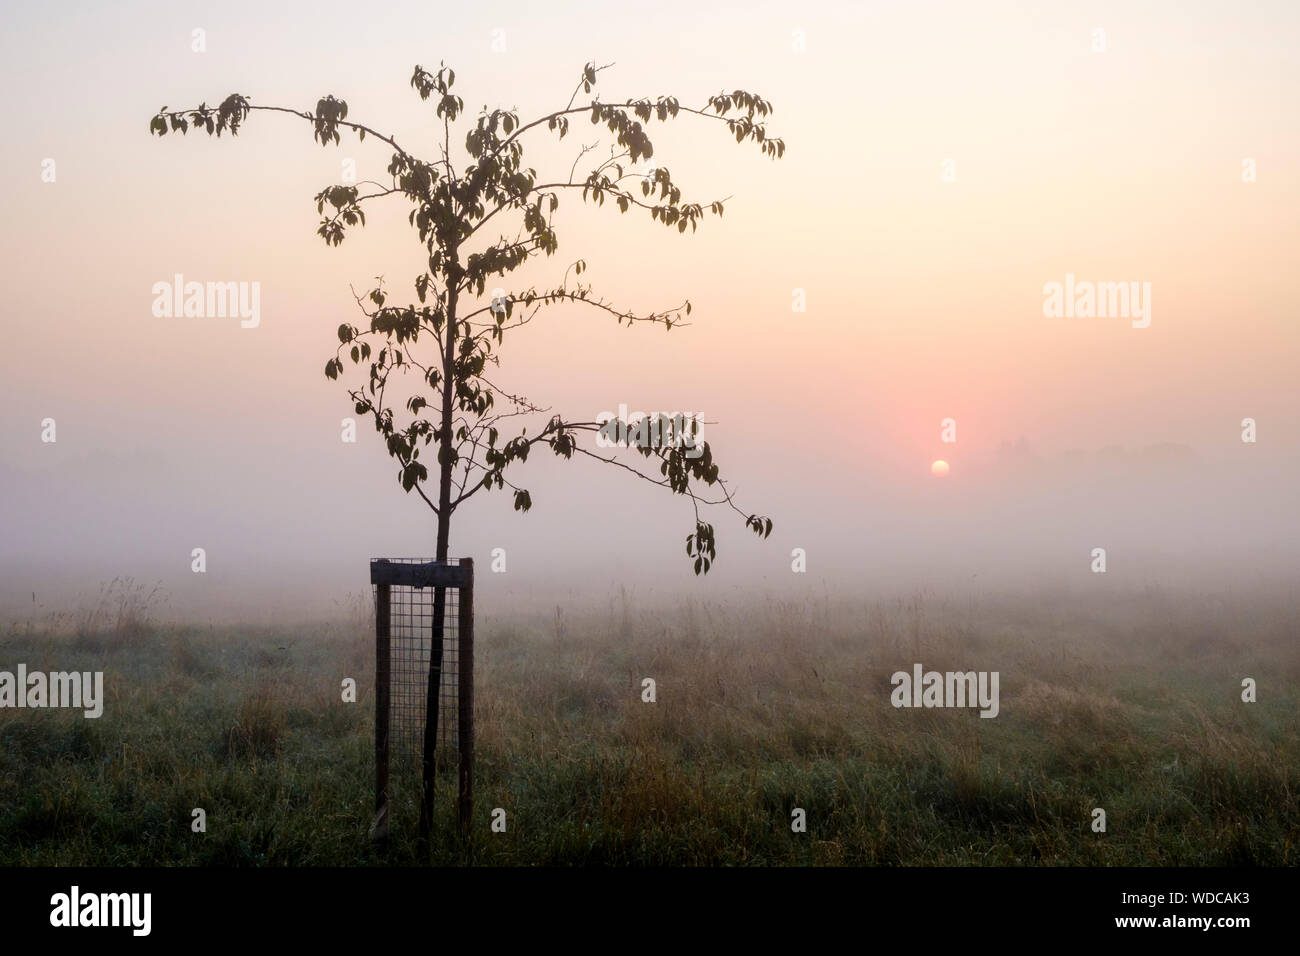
[(1132, 705)]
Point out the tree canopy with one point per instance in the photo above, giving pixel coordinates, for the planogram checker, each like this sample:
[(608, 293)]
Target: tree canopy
[(425, 363)]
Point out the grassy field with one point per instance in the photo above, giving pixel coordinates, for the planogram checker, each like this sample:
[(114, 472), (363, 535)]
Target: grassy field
[(1131, 704)]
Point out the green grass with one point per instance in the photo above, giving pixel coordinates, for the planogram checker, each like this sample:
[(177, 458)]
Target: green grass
[(1133, 706)]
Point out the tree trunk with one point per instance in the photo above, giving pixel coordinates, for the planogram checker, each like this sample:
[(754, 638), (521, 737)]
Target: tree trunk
[(434, 692)]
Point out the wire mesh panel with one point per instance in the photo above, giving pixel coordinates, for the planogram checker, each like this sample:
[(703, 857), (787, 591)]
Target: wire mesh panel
[(411, 621), (411, 597)]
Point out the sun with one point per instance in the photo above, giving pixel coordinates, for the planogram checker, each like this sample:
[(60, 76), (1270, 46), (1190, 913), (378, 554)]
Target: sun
[(939, 469)]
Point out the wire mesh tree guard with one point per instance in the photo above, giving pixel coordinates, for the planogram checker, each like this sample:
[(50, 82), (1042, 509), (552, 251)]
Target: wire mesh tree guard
[(424, 680)]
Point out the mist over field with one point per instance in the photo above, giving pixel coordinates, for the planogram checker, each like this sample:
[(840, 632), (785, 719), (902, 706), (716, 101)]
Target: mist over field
[(1168, 515)]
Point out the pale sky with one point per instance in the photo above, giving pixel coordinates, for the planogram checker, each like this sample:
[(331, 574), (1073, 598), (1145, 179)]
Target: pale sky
[(924, 295)]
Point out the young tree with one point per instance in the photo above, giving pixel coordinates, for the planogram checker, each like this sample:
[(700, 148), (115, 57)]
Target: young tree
[(427, 360)]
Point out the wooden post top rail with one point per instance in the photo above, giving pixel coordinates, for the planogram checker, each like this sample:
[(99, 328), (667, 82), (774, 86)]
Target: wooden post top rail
[(431, 574)]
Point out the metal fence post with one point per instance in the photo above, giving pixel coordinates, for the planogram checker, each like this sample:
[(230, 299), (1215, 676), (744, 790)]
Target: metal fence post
[(465, 695), (383, 684)]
